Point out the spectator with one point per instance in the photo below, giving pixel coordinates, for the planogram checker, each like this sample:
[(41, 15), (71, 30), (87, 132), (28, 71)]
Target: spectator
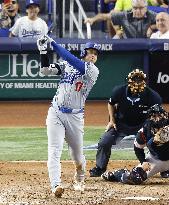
[(126, 108), (9, 13), (124, 5), (162, 24), (12, 9), (137, 23), (30, 26), (5, 21)]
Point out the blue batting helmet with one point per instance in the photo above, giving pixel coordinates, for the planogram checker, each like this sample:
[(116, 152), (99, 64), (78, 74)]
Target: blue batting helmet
[(32, 2), (89, 45)]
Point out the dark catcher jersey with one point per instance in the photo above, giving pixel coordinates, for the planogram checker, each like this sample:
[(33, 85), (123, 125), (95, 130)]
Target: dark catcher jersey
[(132, 111), (145, 136)]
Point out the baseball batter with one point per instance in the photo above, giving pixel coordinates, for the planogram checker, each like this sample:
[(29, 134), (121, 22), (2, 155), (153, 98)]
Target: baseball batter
[(65, 119), (154, 135)]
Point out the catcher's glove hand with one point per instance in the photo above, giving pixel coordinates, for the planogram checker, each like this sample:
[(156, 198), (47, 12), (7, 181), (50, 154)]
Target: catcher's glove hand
[(108, 176), (114, 176), (136, 176), (162, 136)]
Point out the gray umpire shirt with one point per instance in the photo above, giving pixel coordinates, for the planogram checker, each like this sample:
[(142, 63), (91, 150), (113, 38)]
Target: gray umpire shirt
[(133, 27)]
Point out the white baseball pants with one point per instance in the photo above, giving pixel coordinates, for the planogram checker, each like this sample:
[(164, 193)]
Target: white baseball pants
[(62, 126)]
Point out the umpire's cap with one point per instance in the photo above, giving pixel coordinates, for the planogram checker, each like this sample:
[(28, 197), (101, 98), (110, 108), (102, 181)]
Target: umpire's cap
[(89, 45), (155, 109), (32, 2)]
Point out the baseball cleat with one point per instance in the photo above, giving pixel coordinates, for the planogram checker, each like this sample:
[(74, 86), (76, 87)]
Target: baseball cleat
[(79, 186), (58, 191), (96, 172)]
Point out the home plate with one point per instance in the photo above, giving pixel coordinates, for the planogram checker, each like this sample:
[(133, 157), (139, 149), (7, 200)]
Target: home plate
[(144, 198)]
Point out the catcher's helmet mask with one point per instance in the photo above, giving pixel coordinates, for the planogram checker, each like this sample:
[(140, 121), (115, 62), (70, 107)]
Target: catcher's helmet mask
[(89, 45), (157, 113), (156, 109), (158, 117)]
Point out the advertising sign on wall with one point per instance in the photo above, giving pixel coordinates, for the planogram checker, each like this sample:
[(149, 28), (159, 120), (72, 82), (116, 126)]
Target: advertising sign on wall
[(159, 73), (20, 77)]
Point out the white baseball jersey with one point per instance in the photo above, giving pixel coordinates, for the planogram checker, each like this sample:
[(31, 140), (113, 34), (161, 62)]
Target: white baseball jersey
[(74, 87), (24, 27)]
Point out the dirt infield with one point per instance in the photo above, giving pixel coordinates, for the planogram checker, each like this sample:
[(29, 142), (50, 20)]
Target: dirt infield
[(26, 183), (33, 114)]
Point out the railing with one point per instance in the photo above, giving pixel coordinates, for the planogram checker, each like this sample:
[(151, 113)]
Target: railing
[(51, 11), (77, 21)]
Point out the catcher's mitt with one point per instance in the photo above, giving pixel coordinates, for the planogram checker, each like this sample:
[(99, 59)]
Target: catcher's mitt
[(114, 176), (136, 176), (108, 176), (162, 136)]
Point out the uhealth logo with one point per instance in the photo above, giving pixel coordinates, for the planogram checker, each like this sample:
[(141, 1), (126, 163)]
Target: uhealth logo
[(162, 78), (20, 66)]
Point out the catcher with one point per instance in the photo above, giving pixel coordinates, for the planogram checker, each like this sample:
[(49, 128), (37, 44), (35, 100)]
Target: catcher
[(154, 135)]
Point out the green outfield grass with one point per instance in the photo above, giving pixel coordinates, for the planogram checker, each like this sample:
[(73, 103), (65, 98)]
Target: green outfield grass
[(31, 144)]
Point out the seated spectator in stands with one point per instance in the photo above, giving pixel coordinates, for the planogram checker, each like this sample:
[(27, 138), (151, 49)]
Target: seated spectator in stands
[(9, 13), (5, 21), (162, 24), (135, 23), (124, 5), (12, 10), (30, 26)]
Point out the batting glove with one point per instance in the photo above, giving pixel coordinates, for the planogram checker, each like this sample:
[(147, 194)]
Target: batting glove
[(42, 44)]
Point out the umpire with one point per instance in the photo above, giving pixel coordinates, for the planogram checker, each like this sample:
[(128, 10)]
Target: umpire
[(127, 113)]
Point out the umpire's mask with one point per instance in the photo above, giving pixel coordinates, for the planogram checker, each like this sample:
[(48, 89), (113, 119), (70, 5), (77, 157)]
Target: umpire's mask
[(136, 81)]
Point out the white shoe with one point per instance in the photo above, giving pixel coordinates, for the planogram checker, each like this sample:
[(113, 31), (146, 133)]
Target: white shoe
[(58, 191), (79, 186)]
